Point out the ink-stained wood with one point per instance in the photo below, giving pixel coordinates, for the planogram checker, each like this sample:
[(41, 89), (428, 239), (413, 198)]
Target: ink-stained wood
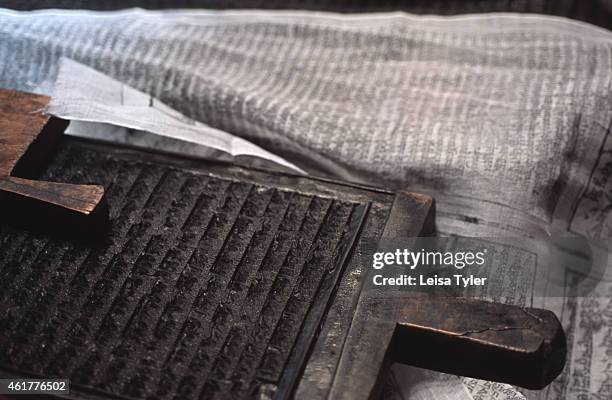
[(28, 137), (493, 341), (485, 340), (218, 282), (468, 337), (213, 280)]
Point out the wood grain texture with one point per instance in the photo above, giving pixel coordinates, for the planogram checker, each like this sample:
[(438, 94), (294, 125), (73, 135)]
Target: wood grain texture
[(28, 137), (21, 120)]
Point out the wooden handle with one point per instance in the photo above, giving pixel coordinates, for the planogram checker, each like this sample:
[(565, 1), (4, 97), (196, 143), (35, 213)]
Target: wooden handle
[(28, 137), (516, 345)]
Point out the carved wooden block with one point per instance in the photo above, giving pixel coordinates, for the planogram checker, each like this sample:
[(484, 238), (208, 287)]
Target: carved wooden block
[(223, 282)]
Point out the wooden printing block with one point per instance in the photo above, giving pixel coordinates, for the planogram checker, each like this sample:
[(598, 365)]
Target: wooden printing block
[(216, 281)]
